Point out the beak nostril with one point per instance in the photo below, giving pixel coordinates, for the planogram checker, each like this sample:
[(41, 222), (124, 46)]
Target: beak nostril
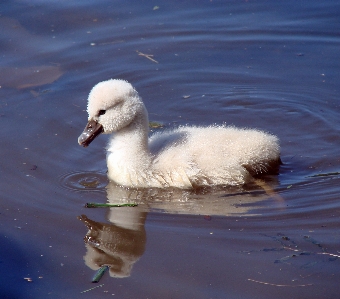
[(92, 129)]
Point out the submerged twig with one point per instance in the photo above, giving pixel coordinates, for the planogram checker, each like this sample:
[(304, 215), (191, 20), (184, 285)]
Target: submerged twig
[(331, 254), (280, 285), (313, 241), (148, 56), (92, 288), (99, 274), (108, 205), (324, 174)]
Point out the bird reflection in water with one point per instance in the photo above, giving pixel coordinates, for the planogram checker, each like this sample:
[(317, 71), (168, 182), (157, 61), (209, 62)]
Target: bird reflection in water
[(118, 244)]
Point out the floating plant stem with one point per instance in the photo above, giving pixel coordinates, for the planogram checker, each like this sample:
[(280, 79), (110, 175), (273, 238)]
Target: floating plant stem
[(99, 274), (109, 205), (155, 125)]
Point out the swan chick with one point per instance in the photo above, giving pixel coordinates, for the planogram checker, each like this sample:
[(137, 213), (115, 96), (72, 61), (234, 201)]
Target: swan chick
[(185, 157)]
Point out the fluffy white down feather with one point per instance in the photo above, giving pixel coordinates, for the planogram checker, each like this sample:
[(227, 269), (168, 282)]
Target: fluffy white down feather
[(185, 157)]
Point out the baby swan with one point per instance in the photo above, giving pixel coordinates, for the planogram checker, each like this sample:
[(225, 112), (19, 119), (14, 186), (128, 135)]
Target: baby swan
[(186, 157)]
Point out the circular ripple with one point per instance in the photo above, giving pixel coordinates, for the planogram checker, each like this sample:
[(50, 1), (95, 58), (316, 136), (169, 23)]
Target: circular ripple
[(84, 181)]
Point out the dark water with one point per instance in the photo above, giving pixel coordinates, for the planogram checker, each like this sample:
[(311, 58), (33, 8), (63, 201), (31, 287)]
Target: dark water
[(273, 66)]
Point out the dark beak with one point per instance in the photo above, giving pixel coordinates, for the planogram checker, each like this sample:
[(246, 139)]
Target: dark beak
[(91, 131)]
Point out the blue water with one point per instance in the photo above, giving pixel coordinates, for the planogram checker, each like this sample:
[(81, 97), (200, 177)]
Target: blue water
[(267, 65)]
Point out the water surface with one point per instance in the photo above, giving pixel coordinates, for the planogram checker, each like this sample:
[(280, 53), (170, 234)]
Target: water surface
[(271, 66)]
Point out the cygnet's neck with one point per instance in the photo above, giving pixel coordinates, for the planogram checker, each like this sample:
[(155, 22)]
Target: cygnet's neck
[(128, 147)]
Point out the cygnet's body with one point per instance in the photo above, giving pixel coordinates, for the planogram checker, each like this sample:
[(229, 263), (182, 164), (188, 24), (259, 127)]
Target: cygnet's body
[(185, 157)]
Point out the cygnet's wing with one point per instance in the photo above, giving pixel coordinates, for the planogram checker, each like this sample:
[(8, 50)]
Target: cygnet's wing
[(160, 141), (171, 162)]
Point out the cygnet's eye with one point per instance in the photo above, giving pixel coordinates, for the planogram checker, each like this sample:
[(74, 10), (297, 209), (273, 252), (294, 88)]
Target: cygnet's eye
[(101, 112)]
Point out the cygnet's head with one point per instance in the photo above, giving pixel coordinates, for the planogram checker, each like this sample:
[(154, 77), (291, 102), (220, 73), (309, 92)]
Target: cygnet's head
[(112, 106)]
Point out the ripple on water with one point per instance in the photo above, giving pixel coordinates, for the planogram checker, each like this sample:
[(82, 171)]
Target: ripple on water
[(84, 181)]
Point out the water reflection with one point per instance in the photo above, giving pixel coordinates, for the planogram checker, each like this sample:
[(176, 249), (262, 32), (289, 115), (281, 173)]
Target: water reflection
[(120, 243), (223, 201)]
